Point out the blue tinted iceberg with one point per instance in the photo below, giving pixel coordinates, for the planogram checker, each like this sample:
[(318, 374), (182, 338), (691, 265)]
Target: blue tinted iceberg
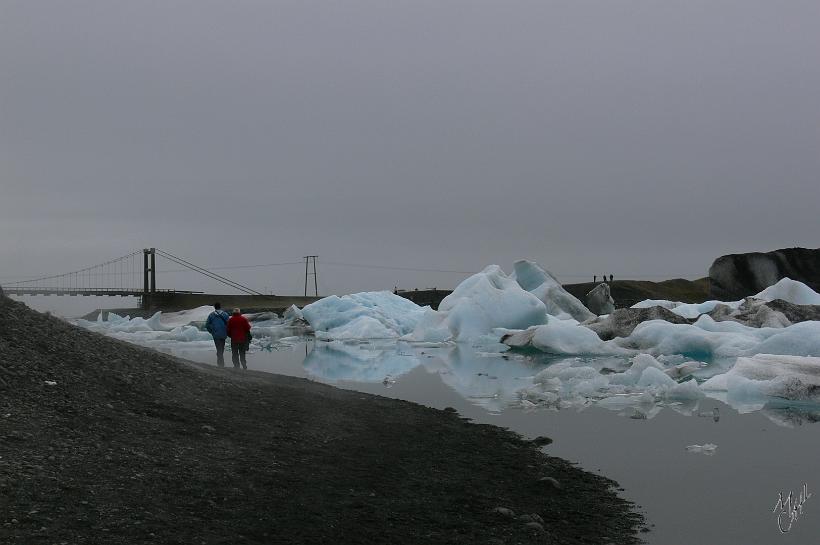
[(541, 283), (367, 315), (488, 300)]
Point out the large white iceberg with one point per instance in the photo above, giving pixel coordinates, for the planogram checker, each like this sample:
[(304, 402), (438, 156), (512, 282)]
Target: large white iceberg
[(488, 300), (481, 303), (541, 283), (367, 315)]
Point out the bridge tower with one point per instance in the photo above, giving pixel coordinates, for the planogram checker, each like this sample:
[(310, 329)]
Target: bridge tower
[(149, 275)]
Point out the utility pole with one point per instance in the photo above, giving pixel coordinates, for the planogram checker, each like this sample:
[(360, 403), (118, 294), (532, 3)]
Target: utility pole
[(308, 259)]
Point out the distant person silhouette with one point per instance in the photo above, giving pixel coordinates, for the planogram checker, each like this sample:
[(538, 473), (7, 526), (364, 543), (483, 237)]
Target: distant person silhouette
[(610, 279), (217, 326), (239, 329), (594, 278), (603, 278)]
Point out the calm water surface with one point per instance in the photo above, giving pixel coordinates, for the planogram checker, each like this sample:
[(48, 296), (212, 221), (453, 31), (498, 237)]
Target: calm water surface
[(725, 498)]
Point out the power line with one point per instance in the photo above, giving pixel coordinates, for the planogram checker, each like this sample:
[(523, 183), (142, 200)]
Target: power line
[(206, 272), (237, 267), (329, 263), (363, 266)]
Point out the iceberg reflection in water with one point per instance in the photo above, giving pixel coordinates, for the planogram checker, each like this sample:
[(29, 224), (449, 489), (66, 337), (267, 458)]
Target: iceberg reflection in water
[(500, 381), (491, 376)]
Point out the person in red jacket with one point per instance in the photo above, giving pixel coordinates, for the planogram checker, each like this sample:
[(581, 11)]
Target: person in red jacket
[(239, 329)]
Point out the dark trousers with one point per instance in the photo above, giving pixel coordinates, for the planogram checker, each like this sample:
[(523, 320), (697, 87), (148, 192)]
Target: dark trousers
[(238, 354), (220, 352)]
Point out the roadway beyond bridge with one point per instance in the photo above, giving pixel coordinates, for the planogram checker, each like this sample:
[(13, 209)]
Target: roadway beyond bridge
[(172, 302)]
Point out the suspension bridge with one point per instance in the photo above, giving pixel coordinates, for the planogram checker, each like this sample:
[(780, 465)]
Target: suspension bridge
[(135, 275)]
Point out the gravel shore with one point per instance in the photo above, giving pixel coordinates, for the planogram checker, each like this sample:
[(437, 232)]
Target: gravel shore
[(102, 442)]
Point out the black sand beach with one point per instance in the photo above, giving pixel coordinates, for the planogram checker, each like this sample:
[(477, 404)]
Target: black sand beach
[(105, 442)]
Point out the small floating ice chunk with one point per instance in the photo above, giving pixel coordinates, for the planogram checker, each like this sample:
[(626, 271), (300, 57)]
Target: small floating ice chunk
[(707, 448), (684, 391), (293, 314)]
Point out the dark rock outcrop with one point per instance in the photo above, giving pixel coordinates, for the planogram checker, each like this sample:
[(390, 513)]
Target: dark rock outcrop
[(622, 322), (757, 313), (796, 313), (752, 312), (735, 276)]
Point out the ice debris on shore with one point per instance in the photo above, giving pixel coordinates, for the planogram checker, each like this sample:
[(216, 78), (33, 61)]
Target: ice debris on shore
[(170, 331)]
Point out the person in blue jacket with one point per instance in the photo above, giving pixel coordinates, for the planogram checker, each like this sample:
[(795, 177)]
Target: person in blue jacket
[(217, 326)]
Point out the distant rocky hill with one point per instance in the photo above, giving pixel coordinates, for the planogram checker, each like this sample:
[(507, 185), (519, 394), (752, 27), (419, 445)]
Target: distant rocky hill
[(628, 292), (734, 276), (625, 292)]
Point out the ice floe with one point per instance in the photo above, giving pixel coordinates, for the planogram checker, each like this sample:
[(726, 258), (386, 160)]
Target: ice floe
[(368, 315), (753, 380)]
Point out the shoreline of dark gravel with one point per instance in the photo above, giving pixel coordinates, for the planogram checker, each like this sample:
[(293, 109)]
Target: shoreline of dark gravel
[(132, 446)]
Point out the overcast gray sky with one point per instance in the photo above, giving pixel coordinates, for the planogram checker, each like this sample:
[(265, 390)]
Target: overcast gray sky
[(638, 138)]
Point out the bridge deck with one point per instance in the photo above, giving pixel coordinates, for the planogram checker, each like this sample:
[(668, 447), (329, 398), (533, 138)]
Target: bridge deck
[(84, 292)]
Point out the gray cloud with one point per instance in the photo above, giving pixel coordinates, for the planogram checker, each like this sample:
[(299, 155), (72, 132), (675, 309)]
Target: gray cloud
[(637, 138)]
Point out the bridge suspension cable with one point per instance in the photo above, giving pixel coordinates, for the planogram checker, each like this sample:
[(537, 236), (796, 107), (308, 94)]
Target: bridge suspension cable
[(116, 276), (206, 272)]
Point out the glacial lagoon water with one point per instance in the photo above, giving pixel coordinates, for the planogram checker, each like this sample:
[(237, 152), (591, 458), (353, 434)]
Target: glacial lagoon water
[(727, 497)]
